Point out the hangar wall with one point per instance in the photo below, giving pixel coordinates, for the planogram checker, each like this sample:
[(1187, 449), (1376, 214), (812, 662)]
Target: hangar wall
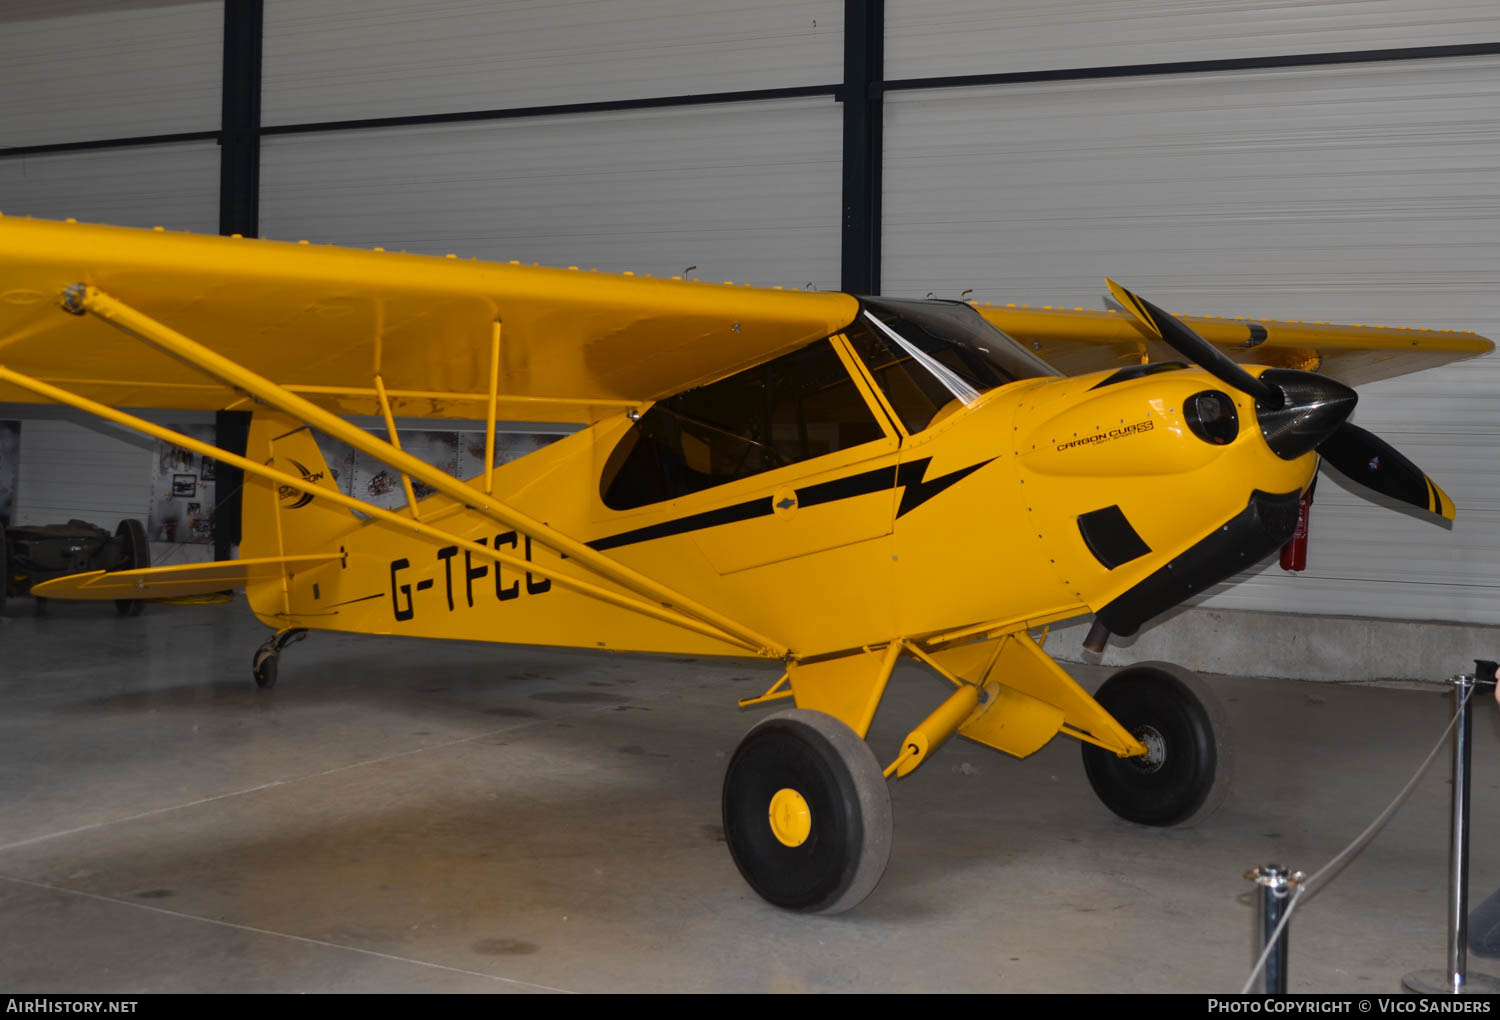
[(751, 197), (1309, 161), (746, 191), (949, 37), (74, 71), (329, 60), (77, 72)]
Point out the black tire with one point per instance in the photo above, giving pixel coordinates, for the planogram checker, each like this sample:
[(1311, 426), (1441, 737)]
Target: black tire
[(1187, 773), (848, 839), (263, 668), (138, 549)]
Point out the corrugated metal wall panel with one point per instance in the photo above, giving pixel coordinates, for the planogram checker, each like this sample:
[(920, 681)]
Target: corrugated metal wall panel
[(68, 471), (175, 186), (942, 37), (748, 192), (1335, 191), (342, 59), (1361, 193), (111, 73)]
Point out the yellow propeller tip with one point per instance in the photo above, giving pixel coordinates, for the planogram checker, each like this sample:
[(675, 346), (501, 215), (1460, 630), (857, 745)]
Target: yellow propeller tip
[(1442, 503)]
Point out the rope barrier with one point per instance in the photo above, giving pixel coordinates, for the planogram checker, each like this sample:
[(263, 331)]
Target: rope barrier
[(1330, 871)]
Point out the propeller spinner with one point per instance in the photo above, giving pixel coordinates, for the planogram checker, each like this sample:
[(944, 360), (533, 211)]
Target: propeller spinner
[(1299, 412)]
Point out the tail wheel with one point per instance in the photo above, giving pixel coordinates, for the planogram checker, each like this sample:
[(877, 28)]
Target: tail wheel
[(1185, 772), (263, 667), (807, 813), (138, 556), (267, 658)]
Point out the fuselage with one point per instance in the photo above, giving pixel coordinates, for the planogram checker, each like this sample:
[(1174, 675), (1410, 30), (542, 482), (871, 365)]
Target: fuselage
[(1043, 497)]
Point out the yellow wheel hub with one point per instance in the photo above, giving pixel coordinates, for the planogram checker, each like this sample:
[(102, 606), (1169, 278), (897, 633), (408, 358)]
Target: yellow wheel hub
[(791, 821)]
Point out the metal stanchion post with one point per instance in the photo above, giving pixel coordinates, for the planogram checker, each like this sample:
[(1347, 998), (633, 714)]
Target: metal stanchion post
[(1455, 980), (1276, 887)]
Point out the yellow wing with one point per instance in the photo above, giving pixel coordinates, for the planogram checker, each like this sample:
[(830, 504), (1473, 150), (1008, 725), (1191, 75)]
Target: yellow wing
[(323, 321), (1079, 340), (575, 346)]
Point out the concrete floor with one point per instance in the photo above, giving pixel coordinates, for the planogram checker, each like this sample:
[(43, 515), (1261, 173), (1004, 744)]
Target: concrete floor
[(411, 816)]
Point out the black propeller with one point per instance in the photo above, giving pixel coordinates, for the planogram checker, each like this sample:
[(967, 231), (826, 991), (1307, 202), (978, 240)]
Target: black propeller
[(1190, 345), (1299, 412), (1372, 462)]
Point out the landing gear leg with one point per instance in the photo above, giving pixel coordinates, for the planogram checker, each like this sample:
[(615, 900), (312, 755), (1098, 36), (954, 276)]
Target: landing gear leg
[(263, 666), (1185, 771), (807, 813)]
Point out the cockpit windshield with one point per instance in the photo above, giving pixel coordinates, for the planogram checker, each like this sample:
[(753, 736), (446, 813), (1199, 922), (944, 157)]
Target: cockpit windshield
[(927, 354)]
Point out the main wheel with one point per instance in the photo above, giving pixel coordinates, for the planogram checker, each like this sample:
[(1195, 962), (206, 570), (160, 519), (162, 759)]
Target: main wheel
[(139, 556), (1185, 772), (807, 813)]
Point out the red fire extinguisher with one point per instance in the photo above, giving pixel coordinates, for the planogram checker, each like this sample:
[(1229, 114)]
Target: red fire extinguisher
[(1294, 553)]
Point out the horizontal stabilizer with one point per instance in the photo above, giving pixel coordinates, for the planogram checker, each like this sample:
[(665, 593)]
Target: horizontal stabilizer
[(167, 582)]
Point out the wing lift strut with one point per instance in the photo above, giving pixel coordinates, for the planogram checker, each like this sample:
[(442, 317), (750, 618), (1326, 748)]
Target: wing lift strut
[(629, 589)]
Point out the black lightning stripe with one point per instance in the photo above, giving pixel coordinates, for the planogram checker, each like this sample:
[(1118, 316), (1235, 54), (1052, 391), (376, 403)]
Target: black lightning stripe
[(697, 522), (918, 492), (911, 475), (861, 484)]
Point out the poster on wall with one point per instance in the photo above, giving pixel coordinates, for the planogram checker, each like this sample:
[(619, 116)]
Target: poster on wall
[(182, 491), (508, 447), (10, 453), (460, 454), (381, 485)]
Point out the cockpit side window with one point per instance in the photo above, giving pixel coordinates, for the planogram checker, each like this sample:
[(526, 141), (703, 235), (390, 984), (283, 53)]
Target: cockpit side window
[(791, 409)]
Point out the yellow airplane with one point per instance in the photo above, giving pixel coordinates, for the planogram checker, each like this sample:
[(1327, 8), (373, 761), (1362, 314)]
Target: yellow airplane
[(829, 481)]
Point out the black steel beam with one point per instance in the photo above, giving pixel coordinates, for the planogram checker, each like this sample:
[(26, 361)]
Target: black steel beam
[(515, 112), (864, 59), (239, 213), (877, 88), (108, 143), (239, 137), (232, 433)]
